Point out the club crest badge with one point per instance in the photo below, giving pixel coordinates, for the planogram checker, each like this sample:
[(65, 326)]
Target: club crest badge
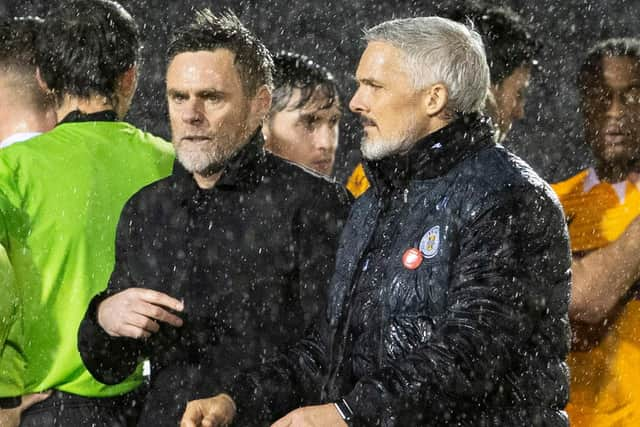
[(430, 242)]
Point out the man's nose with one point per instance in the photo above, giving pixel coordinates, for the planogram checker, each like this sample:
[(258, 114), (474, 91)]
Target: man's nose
[(357, 102), (518, 111), (326, 138), (615, 109), (193, 112)]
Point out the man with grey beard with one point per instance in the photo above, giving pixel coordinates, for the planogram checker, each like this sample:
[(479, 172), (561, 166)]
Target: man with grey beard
[(448, 305), (223, 264)]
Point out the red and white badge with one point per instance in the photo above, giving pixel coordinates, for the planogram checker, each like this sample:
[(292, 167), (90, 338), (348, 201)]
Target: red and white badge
[(412, 258)]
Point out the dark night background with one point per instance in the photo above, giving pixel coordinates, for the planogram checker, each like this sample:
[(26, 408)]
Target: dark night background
[(329, 31)]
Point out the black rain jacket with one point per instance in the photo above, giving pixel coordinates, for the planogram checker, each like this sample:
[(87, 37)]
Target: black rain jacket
[(251, 258), (476, 335)]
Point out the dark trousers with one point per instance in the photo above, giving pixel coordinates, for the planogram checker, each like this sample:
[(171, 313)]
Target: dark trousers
[(68, 410)]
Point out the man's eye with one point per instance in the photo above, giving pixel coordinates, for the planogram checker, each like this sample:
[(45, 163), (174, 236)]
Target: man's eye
[(212, 97), (598, 96), (631, 98), (522, 94), (178, 98), (310, 123)]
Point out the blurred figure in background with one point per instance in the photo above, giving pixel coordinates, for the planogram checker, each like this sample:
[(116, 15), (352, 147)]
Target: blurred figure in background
[(303, 123), (64, 192), (602, 207), (511, 51), (25, 111)]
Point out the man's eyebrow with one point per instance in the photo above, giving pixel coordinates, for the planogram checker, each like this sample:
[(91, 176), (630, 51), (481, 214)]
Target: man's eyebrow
[(175, 92), (313, 114), (310, 115), (209, 91), (370, 81), (201, 92)]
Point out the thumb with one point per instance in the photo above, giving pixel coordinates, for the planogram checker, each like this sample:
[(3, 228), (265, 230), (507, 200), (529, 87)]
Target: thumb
[(192, 416), (29, 400)]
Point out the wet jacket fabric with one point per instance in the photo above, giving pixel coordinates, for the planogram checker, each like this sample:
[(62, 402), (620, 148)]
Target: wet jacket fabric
[(251, 258), (468, 328)]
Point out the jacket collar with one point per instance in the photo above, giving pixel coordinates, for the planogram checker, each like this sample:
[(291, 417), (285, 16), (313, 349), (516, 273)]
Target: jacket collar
[(77, 116), (433, 155), (244, 170)]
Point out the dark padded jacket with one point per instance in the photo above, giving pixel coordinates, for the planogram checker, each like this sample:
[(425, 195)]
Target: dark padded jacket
[(476, 335), (252, 258)]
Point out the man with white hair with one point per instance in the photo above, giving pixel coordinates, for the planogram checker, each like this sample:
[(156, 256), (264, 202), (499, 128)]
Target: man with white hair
[(449, 301)]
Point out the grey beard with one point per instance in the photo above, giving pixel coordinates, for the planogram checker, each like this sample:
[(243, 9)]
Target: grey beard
[(203, 163), (379, 149)]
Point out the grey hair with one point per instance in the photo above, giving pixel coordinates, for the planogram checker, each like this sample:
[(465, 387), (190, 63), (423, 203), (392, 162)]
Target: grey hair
[(439, 50)]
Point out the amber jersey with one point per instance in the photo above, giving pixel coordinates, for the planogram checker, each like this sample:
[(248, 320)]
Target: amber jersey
[(605, 380)]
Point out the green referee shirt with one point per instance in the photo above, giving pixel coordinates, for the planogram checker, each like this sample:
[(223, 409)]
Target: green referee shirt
[(64, 192)]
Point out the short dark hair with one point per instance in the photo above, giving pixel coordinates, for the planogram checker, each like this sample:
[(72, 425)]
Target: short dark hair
[(592, 64), (225, 31), (295, 71), (18, 43), (90, 45), (18, 60), (508, 41)]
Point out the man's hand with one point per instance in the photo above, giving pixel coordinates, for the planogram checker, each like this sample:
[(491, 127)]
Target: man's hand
[(135, 313), (11, 417), (217, 411), (312, 416)]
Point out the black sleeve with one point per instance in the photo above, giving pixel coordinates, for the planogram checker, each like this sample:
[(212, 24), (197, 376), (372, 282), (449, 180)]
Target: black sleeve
[(281, 385), (317, 231), (505, 281), (113, 359), (294, 378)]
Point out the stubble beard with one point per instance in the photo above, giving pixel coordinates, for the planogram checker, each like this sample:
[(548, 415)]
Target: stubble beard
[(379, 148), (376, 149), (210, 158)]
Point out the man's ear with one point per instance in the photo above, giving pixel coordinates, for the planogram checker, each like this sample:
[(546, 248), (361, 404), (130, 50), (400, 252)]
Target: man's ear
[(43, 85), (262, 101), (436, 99), (128, 82)]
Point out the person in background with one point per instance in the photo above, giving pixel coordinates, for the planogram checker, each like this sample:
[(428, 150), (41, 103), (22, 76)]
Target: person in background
[(511, 53), (63, 192), (303, 123), (25, 111), (602, 207), (222, 265)]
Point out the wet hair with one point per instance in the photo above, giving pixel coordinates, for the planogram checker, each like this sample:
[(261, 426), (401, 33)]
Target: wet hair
[(508, 41), (225, 31), (592, 65), (440, 50), (18, 59), (91, 44), (17, 43), (295, 71)]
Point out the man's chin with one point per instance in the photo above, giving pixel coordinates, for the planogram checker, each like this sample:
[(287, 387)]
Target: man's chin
[(379, 149), (200, 166)]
